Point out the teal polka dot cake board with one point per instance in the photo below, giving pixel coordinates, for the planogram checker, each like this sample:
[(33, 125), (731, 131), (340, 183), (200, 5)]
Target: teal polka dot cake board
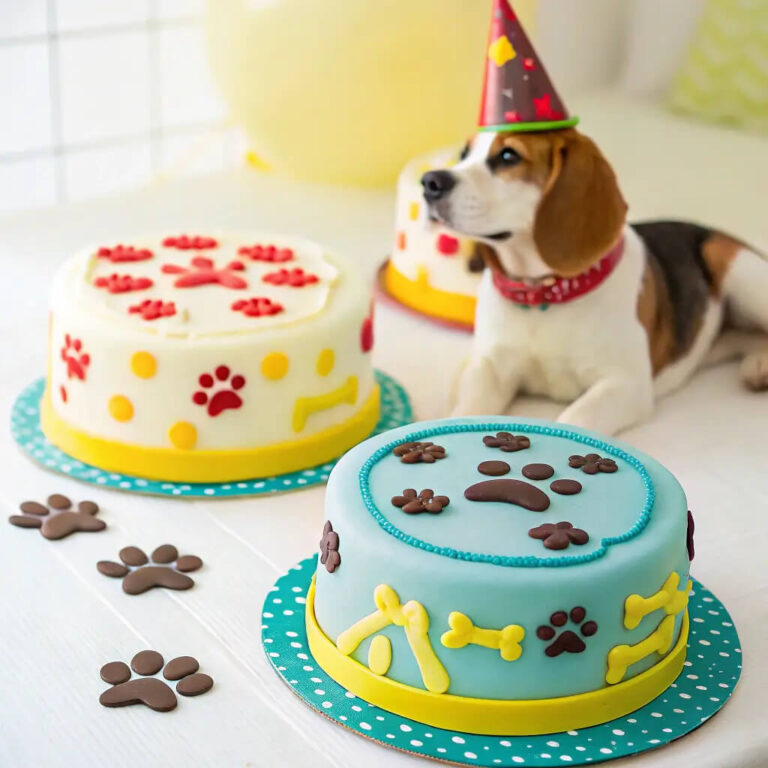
[(711, 671), (25, 428)]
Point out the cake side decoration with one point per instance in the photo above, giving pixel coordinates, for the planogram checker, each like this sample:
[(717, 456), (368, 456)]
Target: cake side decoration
[(329, 548), (413, 618), (668, 598), (463, 632), (621, 657), (566, 640)]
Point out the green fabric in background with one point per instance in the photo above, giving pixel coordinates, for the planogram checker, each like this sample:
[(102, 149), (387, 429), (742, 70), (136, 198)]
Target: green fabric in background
[(724, 76)]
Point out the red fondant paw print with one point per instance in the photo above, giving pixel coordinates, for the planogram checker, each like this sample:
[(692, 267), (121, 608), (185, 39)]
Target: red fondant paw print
[(152, 309), (223, 399), (257, 307), (269, 253), (115, 283), (202, 271), (124, 253), (187, 242), (295, 278), (76, 360)]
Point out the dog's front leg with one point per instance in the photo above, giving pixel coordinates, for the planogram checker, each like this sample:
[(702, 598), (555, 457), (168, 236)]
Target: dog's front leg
[(485, 387), (612, 404)]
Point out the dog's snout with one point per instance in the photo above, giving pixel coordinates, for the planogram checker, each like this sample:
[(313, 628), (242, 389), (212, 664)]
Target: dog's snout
[(437, 184)]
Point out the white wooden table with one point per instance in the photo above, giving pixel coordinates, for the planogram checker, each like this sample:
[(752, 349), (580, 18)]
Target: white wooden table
[(60, 620)]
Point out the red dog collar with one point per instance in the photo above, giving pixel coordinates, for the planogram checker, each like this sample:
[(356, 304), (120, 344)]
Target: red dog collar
[(561, 289)]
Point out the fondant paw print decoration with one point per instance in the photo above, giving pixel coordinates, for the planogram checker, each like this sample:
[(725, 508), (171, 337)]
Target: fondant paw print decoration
[(226, 397), (425, 501), (329, 548), (165, 569), (566, 640), (416, 452), (120, 253), (153, 309), (268, 253), (202, 271), (116, 283), (294, 278), (56, 519), (591, 464), (190, 242), (559, 535), (151, 691), (75, 358), (506, 441), (258, 306)]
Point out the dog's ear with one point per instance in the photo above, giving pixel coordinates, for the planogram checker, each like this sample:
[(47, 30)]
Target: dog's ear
[(581, 212)]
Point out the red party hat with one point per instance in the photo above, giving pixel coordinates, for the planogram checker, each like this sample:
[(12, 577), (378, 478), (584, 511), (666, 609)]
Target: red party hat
[(517, 92)]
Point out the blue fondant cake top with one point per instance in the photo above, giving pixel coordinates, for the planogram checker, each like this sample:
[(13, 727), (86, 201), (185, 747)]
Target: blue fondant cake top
[(489, 516)]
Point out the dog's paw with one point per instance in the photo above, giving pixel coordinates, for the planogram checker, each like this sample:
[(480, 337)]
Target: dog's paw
[(754, 371)]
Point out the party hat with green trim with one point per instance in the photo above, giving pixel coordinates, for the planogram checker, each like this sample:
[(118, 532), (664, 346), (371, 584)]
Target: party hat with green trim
[(517, 92)]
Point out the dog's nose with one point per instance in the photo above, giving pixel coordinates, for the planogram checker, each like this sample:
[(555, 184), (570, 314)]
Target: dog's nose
[(437, 184)]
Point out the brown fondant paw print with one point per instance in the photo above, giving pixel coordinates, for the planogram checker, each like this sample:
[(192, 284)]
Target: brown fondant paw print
[(58, 519), (566, 641), (166, 569), (413, 453), (329, 548), (591, 464), (507, 442), (151, 691), (559, 535), (425, 501)]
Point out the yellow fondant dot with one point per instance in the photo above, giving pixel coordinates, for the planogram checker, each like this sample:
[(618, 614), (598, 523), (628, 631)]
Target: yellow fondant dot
[(413, 211), (143, 365), (121, 408), (325, 362), (183, 435), (275, 365)]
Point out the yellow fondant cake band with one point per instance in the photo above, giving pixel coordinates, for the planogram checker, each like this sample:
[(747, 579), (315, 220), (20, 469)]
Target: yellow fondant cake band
[(494, 717), (210, 466), (420, 295)]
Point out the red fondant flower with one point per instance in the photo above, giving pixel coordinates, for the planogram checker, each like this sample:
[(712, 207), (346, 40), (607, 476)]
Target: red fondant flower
[(202, 271), (124, 253), (269, 253), (295, 278), (152, 309), (187, 242), (115, 283), (544, 110)]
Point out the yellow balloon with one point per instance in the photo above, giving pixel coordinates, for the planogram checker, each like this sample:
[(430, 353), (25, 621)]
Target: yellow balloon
[(346, 91)]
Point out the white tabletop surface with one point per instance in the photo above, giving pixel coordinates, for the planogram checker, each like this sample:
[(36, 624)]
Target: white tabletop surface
[(60, 620)]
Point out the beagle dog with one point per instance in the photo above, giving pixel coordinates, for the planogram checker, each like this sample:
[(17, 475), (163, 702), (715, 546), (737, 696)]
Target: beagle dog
[(576, 304)]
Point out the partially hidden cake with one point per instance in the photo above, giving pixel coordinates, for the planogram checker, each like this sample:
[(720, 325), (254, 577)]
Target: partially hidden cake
[(197, 358), (502, 577), (431, 270)]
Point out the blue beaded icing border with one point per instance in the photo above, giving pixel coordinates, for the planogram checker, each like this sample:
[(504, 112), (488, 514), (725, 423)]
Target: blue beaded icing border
[(504, 560)]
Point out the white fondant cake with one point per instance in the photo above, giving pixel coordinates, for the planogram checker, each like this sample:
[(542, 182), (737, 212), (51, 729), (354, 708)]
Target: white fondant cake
[(201, 359), (431, 270)]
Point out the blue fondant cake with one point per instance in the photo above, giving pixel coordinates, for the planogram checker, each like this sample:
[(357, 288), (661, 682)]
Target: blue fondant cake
[(498, 575)]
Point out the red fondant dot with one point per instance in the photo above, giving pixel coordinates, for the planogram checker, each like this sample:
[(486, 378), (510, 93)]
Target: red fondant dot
[(512, 116), (206, 380), (222, 373), (78, 345), (447, 245), (67, 339), (63, 391), (85, 359), (238, 382), (200, 398), (529, 64), (366, 335)]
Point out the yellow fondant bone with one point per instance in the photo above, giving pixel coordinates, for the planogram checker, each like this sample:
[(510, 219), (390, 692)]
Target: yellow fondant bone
[(636, 607), (463, 632), (622, 656), (414, 619), (306, 406)]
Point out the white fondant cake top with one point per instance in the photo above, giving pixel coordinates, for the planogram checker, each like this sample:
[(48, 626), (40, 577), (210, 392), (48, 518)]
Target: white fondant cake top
[(199, 285)]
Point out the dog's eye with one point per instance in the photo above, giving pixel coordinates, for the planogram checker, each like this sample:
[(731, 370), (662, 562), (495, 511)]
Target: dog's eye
[(509, 157)]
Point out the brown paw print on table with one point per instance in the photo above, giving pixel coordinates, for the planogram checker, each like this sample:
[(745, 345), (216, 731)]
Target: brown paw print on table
[(416, 452), (56, 519), (140, 573), (151, 691), (566, 640), (425, 501)]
